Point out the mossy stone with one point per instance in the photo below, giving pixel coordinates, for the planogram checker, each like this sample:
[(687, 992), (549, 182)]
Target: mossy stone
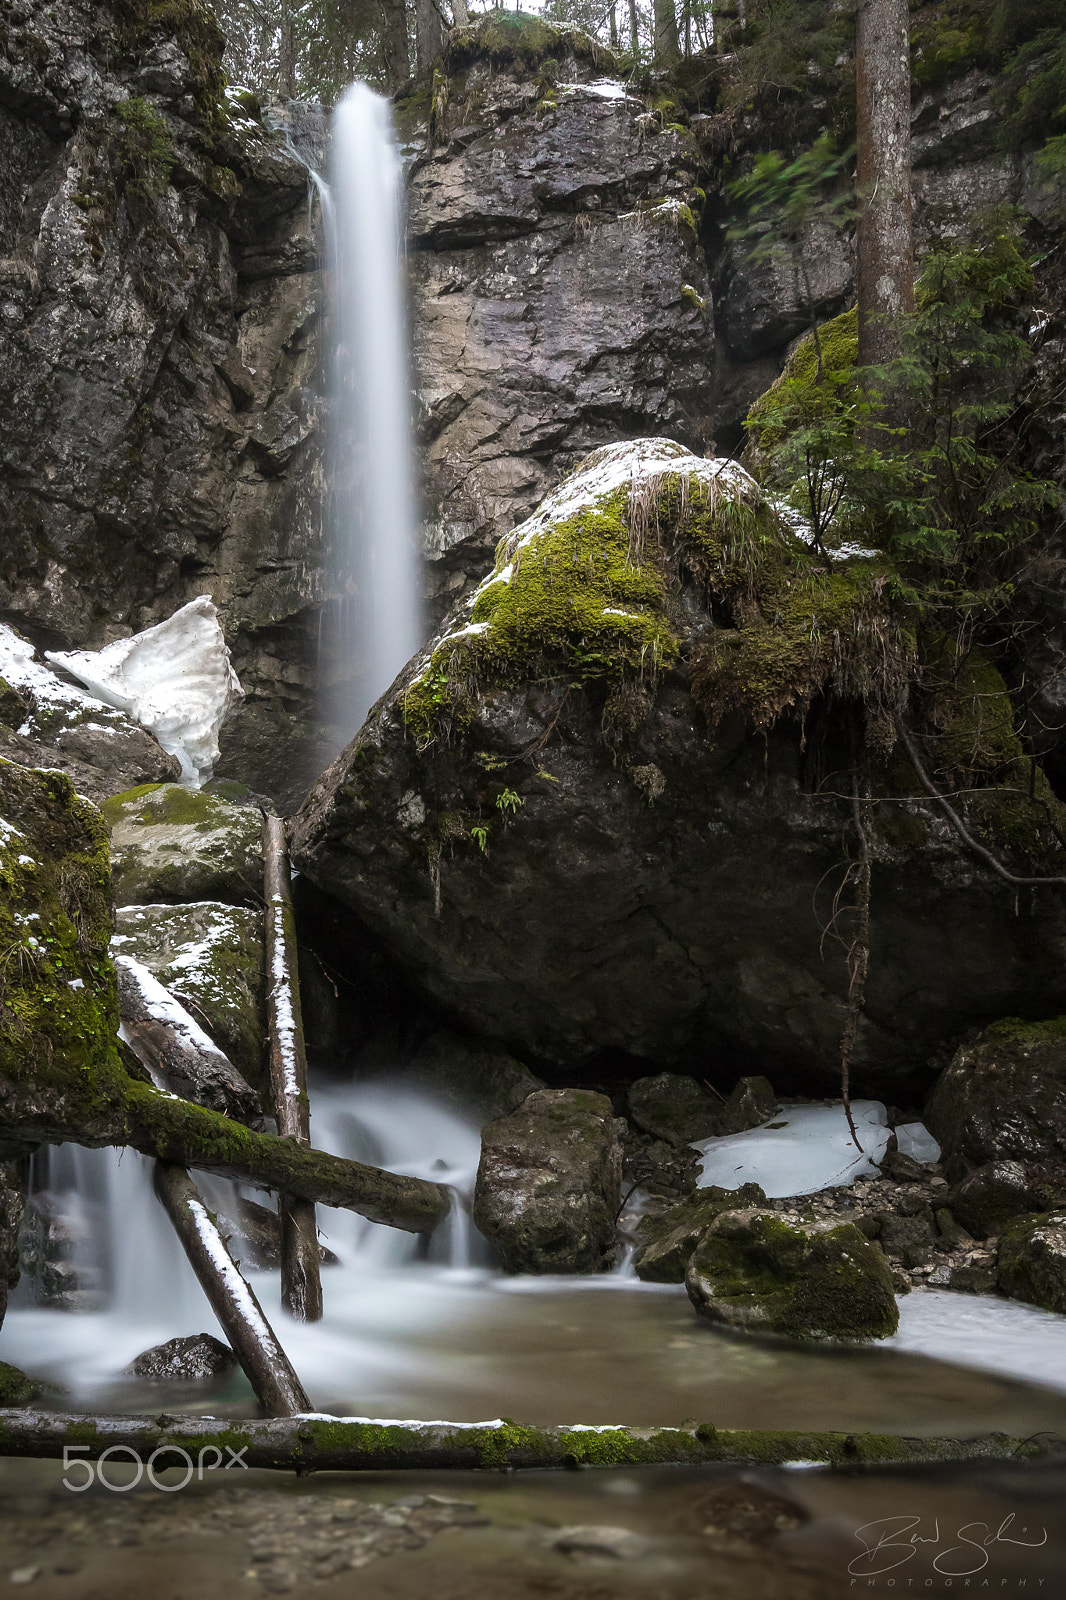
[(672, 1107), (1031, 1264), (16, 1387), (173, 843), (757, 1273), (666, 1241)]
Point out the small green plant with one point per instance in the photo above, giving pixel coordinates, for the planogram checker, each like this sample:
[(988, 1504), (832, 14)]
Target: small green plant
[(480, 835), (508, 802), (145, 148)]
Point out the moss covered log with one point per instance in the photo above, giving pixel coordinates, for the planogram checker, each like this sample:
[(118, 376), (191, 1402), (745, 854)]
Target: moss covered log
[(346, 1444)]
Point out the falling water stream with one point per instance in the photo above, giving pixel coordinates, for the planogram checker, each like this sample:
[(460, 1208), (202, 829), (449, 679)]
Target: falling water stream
[(375, 629)]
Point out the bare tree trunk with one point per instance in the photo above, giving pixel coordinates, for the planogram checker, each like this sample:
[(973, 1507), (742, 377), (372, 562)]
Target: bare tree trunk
[(287, 54), (885, 266), (614, 27), (667, 43), (634, 29), (301, 1283), (268, 1369), (460, 13), (394, 43), (429, 33)]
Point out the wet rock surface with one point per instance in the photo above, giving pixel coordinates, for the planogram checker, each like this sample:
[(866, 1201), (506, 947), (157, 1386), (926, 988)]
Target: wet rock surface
[(1031, 1261), (170, 843), (195, 1357), (548, 1182), (756, 1272)]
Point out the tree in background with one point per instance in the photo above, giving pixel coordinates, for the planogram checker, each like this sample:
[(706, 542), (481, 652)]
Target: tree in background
[(884, 270)]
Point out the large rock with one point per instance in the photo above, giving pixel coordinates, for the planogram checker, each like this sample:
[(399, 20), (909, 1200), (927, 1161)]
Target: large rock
[(991, 1195), (585, 819), (1003, 1098), (195, 1358), (673, 1108), (549, 1180), (46, 721), (172, 843), (755, 1272), (666, 1240), (1031, 1264), (210, 956)]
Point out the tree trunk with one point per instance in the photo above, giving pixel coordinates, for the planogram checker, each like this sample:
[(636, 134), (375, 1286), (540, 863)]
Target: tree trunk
[(173, 1048), (613, 17), (885, 247), (301, 1283), (634, 29), (310, 1444), (394, 50), (429, 33), (287, 54), (277, 1388), (121, 1111), (460, 13), (667, 43)]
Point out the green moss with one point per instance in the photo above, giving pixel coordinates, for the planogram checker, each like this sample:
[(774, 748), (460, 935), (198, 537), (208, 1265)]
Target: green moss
[(770, 415), (195, 27), (507, 38), (145, 148), (1015, 1030), (174, 805), (692, 297), (16, 1388)]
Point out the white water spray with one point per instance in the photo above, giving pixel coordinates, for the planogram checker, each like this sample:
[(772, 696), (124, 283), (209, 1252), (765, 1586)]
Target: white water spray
[(377, 626)]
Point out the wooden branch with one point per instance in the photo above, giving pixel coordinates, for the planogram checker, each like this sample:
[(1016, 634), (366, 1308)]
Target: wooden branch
[(345, 1444), (956, 821), (122, 1111), (268, 1369), (178, 1055), (301, 1282)]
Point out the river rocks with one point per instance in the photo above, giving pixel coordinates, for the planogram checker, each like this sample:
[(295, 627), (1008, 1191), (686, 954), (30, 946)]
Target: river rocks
[(566, 851), (210, 956), (672, 1108), (1031, 1264), (667, 1239), (548, 1183), (172, 843), (196, 1358), (991, 1195), (1003, 1099), (755, 1273), (751, 1103)]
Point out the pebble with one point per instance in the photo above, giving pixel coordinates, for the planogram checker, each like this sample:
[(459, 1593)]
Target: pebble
[(615, 1544)]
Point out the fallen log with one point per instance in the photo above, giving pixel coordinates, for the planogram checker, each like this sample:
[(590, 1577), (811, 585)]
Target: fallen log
[(178, 1055), (113, 1109), (346, 1444), (252, 1339), (301, 1282)]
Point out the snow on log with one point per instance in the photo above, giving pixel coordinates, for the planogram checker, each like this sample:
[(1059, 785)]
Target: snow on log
[(267, 1367), (301, 1282), (174, 679), (322, 1443), (178, 1054)]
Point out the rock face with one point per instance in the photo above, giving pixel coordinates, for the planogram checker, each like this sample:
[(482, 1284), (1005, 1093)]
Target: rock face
[(1031, 1264), (559, 845), (560, 298), (548, 1182), (1003, 1098), (754, 1272), (154, 250), (175, 844), (210, 957)]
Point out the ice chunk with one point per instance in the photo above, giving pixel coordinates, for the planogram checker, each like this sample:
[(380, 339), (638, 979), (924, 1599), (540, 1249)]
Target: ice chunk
[(915, 1140), (802, 1149), (174, 679)]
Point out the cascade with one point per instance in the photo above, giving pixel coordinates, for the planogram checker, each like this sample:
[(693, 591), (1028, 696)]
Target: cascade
[(375, 629)]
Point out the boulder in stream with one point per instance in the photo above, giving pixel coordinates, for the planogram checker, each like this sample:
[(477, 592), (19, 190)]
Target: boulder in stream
[(196, 1358), (548, 1183), (1031, 1264), (755, 1272), (173, 843), (666, 1240)]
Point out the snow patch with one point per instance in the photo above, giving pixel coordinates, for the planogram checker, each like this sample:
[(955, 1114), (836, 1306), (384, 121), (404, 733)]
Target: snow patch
[(174, 679), (600, 89), (161, 1005), (803, 1149)]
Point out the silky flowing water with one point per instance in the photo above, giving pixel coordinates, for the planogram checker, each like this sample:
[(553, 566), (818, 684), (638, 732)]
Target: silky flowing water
[(449, 1337)]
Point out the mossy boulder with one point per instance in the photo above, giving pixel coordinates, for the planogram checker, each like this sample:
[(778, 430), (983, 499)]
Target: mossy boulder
[(58, 997), (666, 1240), (16, 1387), (593, 814), (757, 1273), (549, 1181), (210, 956), (1031, 1263), (172, 843), (990, 1196), (1003, 1098), (672, 1107)]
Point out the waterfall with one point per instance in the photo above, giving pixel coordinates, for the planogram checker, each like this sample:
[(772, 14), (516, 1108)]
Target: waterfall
[(376, 627)]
